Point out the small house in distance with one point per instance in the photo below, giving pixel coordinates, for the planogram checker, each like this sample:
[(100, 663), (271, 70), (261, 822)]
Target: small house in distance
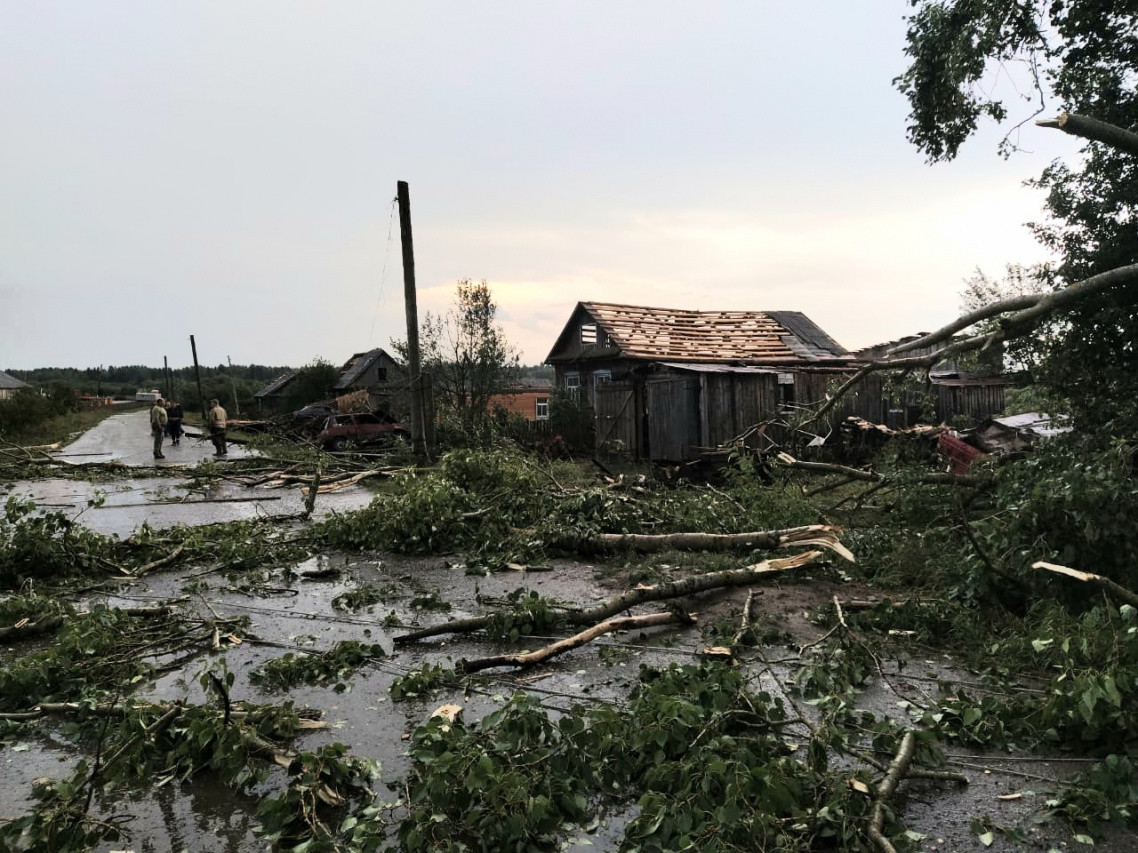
[(663, 383), (270, 399), (374, 380), (9, 385)]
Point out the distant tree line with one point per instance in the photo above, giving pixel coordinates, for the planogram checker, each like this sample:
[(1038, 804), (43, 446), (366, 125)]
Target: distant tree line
[(221, 381)]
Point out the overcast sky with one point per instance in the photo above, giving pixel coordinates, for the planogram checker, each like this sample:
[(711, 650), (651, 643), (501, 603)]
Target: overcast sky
[(228, 169)]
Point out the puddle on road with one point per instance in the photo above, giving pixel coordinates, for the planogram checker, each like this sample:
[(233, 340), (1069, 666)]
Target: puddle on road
[(164, 502)]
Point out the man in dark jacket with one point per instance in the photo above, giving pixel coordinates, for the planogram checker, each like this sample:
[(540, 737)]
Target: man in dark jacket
[(174, 425)]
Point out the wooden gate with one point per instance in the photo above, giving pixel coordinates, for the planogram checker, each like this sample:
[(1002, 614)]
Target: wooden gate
[(614, 413), (673, 418)]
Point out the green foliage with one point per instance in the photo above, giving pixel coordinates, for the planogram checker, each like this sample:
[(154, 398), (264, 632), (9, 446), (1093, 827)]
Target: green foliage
[(312, 383), (527, 613), (361, 597), (1090, 702), (1107, 792), (327, 805), (92, 652), (700, 753), (48, 545), (334, 666), (424, 681), (25, 412)]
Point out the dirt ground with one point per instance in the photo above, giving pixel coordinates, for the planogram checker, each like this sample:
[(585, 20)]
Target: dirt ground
[(297, 614)]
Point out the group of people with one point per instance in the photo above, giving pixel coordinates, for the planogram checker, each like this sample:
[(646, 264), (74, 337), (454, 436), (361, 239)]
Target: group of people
[(167, 420)]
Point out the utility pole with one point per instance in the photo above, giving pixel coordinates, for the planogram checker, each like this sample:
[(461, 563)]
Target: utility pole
[(198, 374), (418, 410), (166, 372), (233, 385)]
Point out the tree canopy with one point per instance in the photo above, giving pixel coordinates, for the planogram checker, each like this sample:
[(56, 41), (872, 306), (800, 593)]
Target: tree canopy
[(1082, 56)]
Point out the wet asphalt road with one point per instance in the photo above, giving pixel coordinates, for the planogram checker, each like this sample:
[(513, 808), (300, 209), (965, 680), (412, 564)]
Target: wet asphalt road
[(126, 438)]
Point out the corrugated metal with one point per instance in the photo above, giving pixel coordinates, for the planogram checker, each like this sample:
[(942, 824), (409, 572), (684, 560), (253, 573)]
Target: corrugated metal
[(277, 385)]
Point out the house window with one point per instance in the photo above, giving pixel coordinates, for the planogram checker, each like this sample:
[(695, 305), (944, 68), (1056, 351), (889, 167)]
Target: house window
[(542, 413), (588, 333), (381, 374), (600, 377), (573, 384)]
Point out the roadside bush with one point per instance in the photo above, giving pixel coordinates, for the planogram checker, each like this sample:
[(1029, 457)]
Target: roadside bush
[(27, 409)]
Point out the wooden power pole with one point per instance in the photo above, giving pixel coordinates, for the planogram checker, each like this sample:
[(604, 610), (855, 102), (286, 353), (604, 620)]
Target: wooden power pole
[(198, 374), (166, 372), (418, 410), (233, 385)]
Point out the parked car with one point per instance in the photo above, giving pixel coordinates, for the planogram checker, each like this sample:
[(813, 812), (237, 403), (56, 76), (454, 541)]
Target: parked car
[(342, 430), (310, 419)]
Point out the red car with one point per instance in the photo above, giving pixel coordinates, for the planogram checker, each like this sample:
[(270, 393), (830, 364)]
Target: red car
[(342, 430)]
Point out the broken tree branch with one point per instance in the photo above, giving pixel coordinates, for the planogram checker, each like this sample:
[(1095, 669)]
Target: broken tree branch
[(1094, 130), (821, 535), (898, 768), (623, 623), (933, 478), (1112, 588), (640, 595)]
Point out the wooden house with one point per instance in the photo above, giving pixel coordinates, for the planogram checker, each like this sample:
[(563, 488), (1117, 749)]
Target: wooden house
[(663, 383), (375, 372), (9, 385)]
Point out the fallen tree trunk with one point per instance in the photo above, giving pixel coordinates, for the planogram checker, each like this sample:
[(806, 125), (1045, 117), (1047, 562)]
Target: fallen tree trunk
[(623, 623), (821, 535), (932, 478), (1113, 589), (639, 595)]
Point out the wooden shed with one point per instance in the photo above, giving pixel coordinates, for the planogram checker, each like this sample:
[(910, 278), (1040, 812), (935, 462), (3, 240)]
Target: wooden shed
[(663, 383)]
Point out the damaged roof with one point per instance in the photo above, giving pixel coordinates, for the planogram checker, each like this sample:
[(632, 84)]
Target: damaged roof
[(277, 385), (357, 366), (709, 336)]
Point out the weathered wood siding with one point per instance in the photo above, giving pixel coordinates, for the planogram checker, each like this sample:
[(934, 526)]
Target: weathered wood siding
[(730, 403), (673, 418), (616, 417)]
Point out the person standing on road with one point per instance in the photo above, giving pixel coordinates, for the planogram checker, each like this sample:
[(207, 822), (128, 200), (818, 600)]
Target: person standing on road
[(158, 421), (217, 421), (174, 427)]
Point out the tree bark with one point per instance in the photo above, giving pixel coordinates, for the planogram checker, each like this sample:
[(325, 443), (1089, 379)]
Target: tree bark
[(1095, 130), (623, 623), (898, 768), (639, 595), (822, 535)]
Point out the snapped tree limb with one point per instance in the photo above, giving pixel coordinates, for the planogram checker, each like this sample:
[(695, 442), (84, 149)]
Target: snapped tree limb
[(622, 623), (898, 768), (1095, 130), (820, 535), (639, 595), (1114, 589), (933, 478)]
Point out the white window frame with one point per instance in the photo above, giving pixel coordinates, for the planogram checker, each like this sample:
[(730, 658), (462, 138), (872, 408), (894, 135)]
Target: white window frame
[(541, 409), (600, 377), (590, 334)]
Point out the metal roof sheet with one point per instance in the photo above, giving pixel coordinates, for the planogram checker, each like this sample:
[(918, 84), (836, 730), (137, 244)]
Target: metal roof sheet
[(697, 367), (276, 385)]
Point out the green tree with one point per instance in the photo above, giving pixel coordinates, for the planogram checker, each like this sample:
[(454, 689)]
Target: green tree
[(1082, 56), (312, 384), (467, 353)]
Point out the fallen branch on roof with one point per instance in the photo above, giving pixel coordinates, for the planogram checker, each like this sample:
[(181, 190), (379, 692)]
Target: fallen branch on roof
[(820, 535), (1112, 588), (640, 595), (620, 623)]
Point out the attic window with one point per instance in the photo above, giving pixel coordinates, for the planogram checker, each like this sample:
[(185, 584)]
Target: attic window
[(588, 333)]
